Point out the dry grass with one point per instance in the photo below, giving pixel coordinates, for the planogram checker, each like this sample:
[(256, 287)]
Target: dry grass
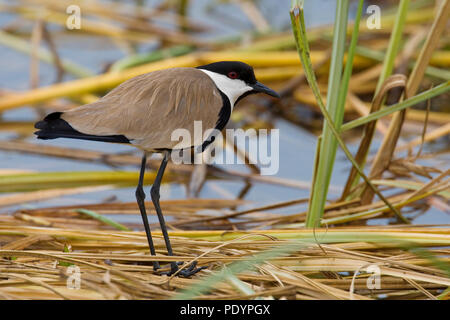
[(39, 247), (116, 264)]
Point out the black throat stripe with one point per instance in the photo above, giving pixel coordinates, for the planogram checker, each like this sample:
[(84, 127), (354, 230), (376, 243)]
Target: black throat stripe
[(224, 117), (224, 113)]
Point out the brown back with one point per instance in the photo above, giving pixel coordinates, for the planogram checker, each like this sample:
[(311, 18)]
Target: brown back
[(149, 107)]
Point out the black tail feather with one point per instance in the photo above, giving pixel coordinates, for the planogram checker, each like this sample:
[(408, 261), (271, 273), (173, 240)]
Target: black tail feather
[(53, 127)]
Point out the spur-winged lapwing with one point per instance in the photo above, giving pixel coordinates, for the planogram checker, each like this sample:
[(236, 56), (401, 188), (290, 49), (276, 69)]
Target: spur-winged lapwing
[(145, 110)]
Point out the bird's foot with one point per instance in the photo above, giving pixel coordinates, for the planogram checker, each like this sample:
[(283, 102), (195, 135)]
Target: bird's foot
[(156, 266), (185, 273)]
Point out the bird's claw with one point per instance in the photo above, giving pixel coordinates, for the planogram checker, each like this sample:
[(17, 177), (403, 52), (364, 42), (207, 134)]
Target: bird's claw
[(185, 273), (156, 266)]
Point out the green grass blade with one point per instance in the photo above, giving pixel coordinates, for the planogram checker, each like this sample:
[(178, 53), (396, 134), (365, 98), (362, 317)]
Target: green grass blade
[(438, 73), (299, 30), (388, 66), (103, 219), (408, 185), (328, 145), (421, 97), (428, 255), (235, 268), (349, 64), (394, 44)]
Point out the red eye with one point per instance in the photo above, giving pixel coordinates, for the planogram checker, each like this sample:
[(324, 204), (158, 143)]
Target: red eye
[(232, 75)]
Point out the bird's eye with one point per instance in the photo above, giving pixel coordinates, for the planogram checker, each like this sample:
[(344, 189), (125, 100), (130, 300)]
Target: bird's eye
[(232, 75)]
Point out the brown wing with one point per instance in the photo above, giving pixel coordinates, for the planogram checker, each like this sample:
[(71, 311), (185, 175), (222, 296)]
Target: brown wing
[(148, 108)]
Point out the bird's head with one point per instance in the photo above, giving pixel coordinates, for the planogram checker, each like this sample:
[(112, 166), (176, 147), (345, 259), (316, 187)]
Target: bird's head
[(235, 79)]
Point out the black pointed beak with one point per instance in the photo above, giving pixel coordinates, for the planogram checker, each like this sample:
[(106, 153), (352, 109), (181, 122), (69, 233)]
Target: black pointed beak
[(259, 87)]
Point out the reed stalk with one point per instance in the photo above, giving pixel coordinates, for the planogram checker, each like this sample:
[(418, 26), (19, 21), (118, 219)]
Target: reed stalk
[(299, 30), (41, 180), (335, 106), (395, 42), (20, 45)]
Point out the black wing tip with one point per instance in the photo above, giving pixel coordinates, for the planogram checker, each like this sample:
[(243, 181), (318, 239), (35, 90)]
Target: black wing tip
[(53, 127), (40, 125), (53, 116), (51, 120)]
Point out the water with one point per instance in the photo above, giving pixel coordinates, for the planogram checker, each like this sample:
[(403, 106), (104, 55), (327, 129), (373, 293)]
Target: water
[(297, 146)]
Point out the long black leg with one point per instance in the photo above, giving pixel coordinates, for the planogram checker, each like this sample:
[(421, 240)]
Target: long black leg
[(140, 197), (154, 192)]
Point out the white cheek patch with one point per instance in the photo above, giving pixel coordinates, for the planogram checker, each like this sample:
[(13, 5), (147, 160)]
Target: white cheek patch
[(233, 88)]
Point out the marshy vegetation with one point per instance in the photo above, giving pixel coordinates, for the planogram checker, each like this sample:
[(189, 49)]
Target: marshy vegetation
[(379, 95)]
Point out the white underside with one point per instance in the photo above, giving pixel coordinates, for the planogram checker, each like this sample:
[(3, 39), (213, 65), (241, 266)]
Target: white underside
[(233, 88)]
